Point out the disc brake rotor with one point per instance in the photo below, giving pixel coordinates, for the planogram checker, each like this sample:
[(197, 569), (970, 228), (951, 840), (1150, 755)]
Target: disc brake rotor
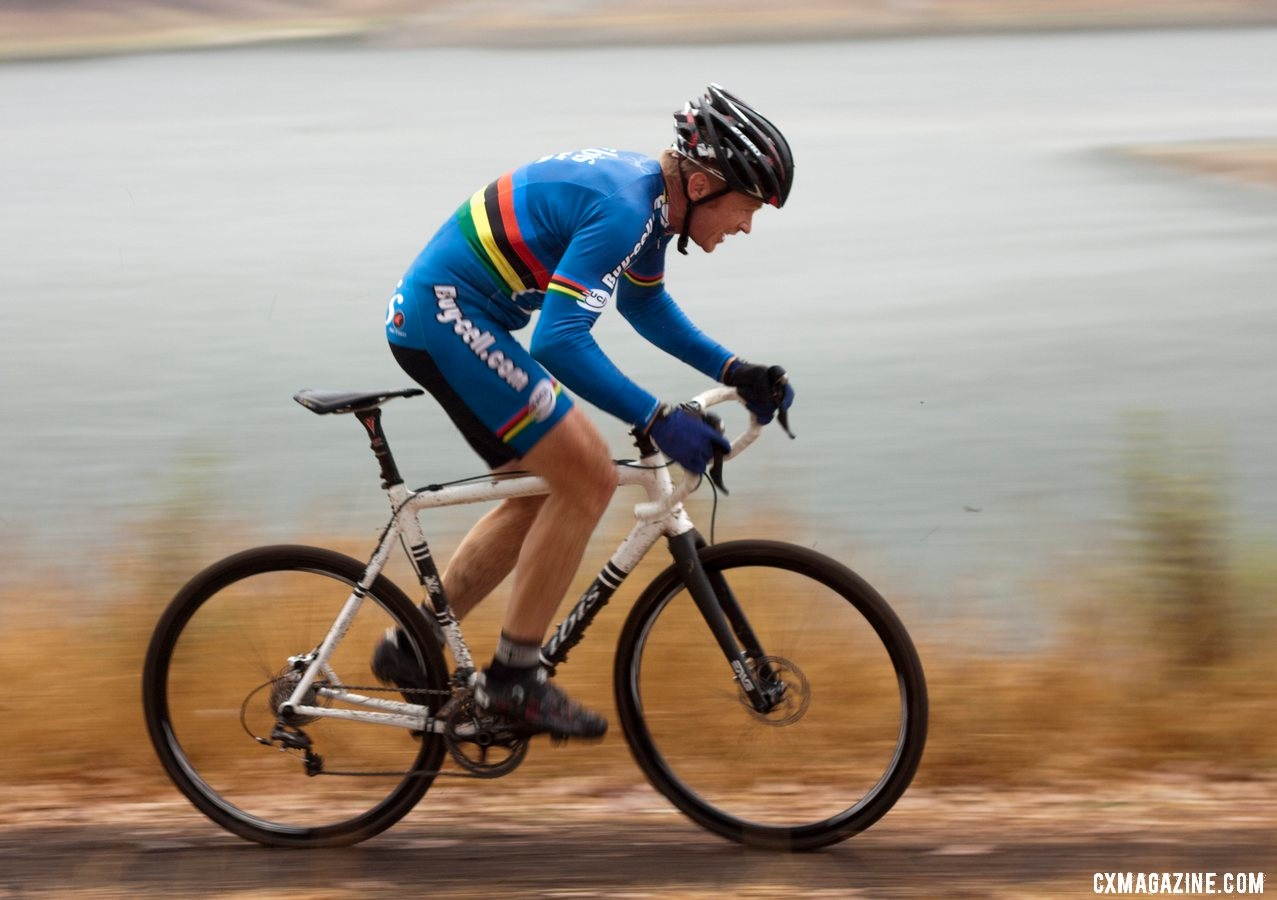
[(784, 681)]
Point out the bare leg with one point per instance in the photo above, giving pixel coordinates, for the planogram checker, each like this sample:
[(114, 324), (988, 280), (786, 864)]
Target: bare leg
[(488, 553), (544, 539), (574, 459)]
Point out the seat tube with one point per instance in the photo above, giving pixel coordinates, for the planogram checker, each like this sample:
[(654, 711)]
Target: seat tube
[(435, 603)]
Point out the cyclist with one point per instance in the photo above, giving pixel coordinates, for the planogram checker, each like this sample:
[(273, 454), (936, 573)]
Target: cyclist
[(568, 235)]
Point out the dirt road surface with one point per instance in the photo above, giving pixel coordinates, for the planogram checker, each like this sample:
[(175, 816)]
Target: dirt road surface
[(583, 838)]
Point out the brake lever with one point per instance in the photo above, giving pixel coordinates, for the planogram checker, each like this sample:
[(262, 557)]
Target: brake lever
[(779, 379), (782, 417), (715, 471), (716, 467)]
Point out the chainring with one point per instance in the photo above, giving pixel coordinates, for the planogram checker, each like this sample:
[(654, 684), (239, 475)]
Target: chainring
[(487, 746)]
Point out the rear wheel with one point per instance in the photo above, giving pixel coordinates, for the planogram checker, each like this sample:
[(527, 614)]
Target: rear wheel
[(841, 745), (230, 649)]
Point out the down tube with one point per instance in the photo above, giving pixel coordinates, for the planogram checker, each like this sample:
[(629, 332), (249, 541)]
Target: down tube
[(570, 631)]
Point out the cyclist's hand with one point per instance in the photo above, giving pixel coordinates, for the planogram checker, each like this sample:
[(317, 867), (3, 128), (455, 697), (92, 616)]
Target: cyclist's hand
[(765, 390), (686, 437)]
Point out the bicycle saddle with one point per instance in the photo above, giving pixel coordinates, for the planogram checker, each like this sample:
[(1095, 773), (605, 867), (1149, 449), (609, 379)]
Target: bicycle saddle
[(325, 402)]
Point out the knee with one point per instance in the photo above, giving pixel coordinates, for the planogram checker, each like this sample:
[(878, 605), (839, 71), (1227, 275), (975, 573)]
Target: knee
[(601, 484), (575, 460), (589, 481)]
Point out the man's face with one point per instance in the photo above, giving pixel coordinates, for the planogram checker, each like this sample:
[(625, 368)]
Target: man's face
[(731, 213)]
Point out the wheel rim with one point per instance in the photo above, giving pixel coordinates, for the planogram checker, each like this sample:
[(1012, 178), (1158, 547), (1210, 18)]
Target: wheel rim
[(219, 682), (823, 768)]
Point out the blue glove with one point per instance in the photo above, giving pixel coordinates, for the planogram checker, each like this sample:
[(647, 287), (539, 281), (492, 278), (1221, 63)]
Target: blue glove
[(765, 390), (685, 437)]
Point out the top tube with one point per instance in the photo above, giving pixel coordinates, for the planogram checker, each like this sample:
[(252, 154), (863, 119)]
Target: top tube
[(664, 496)]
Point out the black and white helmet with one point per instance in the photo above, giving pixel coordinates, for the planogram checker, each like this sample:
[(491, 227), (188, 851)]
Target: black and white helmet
[(725, 135)]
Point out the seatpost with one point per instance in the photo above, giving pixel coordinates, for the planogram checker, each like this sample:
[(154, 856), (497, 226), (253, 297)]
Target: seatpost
[(371, 420)]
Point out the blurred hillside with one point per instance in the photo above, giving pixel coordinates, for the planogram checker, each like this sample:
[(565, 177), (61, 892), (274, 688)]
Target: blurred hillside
[(40, 28)]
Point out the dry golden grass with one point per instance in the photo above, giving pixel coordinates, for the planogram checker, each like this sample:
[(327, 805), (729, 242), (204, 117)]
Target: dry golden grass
[(1105, 699), (1065, 716)]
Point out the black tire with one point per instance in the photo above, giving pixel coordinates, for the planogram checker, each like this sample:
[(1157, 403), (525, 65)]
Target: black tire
[(206, 691), (832, 759)]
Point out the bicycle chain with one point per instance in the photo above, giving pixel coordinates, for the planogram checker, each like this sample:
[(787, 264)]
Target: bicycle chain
[(382, 689)]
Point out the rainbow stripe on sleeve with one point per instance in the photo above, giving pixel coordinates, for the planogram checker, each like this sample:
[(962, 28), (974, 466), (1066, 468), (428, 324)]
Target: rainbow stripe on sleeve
[(645, 281), (560, 284)]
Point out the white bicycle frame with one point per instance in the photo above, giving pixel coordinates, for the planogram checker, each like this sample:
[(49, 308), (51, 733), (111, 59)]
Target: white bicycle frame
[(661, 515)]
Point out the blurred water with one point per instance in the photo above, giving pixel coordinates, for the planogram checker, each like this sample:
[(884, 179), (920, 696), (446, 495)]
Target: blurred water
[(973, 293)]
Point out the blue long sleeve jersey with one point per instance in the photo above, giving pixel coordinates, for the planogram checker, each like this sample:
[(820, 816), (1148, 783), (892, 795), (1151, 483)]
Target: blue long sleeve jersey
[(567, 234)]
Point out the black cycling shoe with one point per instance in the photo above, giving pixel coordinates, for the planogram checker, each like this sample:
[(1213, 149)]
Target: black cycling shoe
[(535, 702), (393, 662)]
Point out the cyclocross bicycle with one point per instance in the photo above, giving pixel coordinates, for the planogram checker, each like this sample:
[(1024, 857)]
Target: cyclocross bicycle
[(766, 690)]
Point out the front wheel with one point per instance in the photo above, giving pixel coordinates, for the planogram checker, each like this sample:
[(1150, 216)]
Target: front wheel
[(227, 654), (845, 735)]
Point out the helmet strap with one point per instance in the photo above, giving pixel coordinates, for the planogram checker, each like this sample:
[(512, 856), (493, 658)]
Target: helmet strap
[(687, 220), (691, 205)]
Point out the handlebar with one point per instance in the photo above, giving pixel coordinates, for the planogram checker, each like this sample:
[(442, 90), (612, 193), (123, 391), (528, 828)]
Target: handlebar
[(651, 510)]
